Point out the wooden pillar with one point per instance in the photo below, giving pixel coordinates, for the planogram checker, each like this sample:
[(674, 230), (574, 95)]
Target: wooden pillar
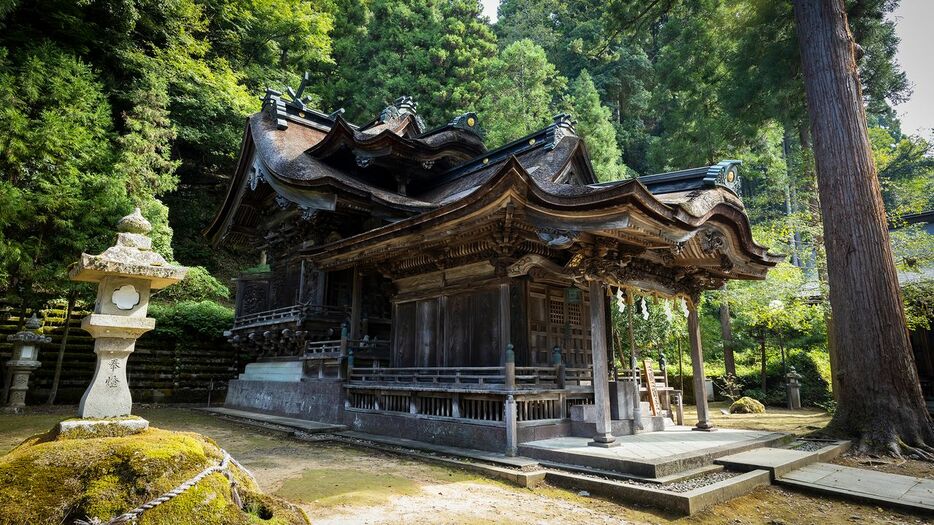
[(697, 361), (504, 319), (601, 388), (356, 306)]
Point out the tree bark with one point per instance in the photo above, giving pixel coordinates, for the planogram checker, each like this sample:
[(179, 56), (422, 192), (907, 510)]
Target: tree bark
[(729, 362), (763, 358), (880, 400), (72, 297)]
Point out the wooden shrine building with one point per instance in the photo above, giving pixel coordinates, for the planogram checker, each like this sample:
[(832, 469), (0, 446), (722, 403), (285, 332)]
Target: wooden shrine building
[(416, 284)]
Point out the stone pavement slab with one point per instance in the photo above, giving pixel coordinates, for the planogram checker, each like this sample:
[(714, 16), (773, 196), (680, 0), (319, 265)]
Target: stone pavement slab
[(304, 425), (778, 461), (879, 488)]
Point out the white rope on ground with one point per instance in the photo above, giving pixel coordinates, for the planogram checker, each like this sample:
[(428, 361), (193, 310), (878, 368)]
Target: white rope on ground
[(223, 467)]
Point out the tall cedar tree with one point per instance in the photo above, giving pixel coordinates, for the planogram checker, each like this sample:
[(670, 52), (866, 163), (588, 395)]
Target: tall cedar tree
[(593, 124), (520, 93), (436, 51), (880, 400)]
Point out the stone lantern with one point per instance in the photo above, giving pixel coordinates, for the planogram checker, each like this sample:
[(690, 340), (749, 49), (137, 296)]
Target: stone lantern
[(25, 360), (793, 389), (126, 274)]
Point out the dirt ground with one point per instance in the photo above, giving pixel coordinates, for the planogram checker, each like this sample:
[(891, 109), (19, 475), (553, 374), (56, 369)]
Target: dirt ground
[(338, 484)]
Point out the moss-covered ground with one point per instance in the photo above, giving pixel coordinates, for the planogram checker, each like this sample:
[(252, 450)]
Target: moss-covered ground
[(51, 478), (338, 484), (797, 422)]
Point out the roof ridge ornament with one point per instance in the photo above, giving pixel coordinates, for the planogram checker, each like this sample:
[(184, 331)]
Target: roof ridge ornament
[(562, 126), (404, 105), (298, 98), (726, 173), (298, 104), (469, 121)]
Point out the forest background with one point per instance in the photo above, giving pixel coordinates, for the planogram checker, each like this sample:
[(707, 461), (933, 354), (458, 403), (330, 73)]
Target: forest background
[(110, 104)]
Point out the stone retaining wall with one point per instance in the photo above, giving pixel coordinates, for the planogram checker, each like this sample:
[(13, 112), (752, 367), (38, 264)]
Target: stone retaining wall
[(163, 368)]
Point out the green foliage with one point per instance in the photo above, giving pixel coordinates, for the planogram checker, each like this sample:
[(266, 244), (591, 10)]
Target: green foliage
[(521, 93), (594, 125), (906, 171), (145, 162), (57, 196), (438, 52), (537, 20), (198, 285), (919, 304), (192, 318)]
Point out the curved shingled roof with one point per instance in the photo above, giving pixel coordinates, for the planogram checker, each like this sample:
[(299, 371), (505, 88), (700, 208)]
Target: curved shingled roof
[(296, 152)]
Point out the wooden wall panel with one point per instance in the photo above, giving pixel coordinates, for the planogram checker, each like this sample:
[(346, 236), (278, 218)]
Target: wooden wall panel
[(428, 333), (403, 335)]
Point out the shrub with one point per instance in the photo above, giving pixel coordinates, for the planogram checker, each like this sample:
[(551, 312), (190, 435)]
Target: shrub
[(730, 386), (747, 405), (198, 285), (196, 318)]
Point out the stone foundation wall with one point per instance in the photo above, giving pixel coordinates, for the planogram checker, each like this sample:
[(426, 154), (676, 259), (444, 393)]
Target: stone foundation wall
[(323, 400), (315, 400)]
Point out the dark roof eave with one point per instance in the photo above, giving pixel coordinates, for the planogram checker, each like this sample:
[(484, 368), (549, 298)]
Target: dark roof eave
[(632, 191)]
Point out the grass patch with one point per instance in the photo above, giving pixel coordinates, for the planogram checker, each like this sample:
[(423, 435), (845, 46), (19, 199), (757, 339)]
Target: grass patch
[(797, 422)]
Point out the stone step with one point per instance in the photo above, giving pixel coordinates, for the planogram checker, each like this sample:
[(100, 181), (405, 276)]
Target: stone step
[(778, 461)]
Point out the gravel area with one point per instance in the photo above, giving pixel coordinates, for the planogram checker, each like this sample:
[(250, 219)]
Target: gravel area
[(698, 482)]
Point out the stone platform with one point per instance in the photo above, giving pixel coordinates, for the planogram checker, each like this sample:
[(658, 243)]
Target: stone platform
[(651, 454)]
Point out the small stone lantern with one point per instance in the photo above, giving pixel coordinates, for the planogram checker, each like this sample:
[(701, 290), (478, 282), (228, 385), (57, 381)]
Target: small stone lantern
[(126, 273), (25, 360), (793, 389)]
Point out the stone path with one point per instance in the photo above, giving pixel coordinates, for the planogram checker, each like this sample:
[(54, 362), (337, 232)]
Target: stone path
[(803, 470), (304, 425), (866, 485)]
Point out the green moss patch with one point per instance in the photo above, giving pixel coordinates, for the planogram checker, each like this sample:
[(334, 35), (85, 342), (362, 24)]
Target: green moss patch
[(52, 479), (333, 487), (747, 405)]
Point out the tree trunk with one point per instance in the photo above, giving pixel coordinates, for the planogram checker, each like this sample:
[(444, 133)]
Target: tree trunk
[(729, 363), (880, 399), (763, 359), (72, 297), (794, 235)]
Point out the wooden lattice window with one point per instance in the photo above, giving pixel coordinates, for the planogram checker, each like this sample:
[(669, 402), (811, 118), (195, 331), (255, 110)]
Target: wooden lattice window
[(574, 314), (556, 311)]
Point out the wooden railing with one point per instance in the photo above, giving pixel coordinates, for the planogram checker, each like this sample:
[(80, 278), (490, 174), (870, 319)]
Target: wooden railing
[(483, 407), (289, 313), (278, 315), (488, 375)]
